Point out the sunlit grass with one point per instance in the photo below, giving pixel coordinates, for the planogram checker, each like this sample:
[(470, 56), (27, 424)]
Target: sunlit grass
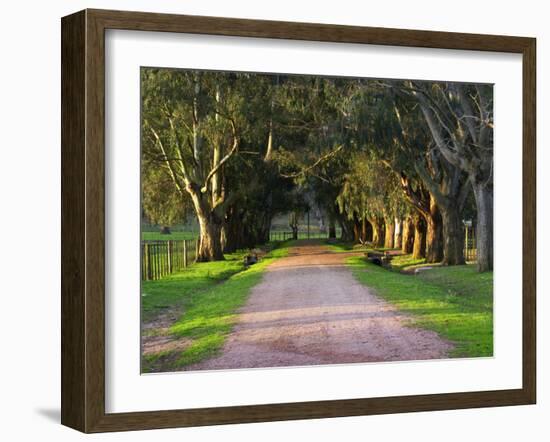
[(454, 301), (174, 289), (402, 262)]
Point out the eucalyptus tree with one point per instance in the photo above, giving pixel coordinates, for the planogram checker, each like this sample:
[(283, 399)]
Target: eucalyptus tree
[(193, 124), (460, 119), (313, 140), (379, 131), (447, 184), (370, 193)]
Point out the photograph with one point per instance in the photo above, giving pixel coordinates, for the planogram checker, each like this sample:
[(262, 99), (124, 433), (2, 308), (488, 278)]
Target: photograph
[(303, 220)]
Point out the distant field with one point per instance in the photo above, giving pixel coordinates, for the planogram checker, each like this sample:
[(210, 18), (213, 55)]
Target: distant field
[(276, 235), (157, 236)]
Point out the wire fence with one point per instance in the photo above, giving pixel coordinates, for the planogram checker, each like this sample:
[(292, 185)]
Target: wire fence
[(161, 258), (283, 236), (278, 235), (470, 247)]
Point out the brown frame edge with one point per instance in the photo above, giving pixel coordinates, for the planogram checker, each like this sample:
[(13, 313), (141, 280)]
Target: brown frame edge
[(83, 215)]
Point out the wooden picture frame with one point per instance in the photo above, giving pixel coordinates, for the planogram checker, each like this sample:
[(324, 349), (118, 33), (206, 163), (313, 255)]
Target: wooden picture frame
[(83, 219)]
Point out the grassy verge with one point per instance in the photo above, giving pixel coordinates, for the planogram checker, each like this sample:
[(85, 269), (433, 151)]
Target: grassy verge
[(172, 290), (209, 314), (456, 302), (407, 262)]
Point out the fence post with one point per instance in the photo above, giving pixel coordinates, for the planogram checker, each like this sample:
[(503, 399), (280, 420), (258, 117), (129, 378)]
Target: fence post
[(467, 244), (185, 253), (169, 256), (158, 262), (147, 262)]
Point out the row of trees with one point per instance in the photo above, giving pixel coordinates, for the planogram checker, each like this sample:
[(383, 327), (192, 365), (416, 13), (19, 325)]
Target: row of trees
[(398, 163)]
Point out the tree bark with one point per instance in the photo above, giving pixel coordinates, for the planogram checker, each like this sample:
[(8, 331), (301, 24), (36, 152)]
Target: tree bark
[(356, 230), (293, 224), (419, 241), (331, 227), (484, 227), (366, 230), (377, 233), (347, 230), (453, 236), (210, 224), (389, 227), (210, 246), (407, 241), (398, 235), (434, 234)]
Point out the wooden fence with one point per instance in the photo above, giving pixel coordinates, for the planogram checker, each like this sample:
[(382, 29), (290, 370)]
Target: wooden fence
[(279, 236), (283, 236), (161, 258), (470, 246)]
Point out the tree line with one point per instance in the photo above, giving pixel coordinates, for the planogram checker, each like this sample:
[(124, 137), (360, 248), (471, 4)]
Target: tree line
[(398, 163)]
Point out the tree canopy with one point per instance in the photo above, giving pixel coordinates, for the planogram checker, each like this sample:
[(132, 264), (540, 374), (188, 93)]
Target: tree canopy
[(393, 162)]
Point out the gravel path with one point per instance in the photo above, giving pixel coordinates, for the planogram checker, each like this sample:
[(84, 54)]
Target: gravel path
[(309, 310)]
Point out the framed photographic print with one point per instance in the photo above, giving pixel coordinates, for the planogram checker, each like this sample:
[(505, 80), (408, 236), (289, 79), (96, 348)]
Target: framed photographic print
[(268, 221)]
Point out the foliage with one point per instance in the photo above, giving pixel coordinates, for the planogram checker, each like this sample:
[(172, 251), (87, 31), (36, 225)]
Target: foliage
[(236, 149), (161, 203)]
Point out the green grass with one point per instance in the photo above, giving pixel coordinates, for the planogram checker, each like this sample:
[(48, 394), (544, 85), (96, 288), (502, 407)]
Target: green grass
[(403, 262), (209, 314), (157, 296), (456, 302), (157, 236)]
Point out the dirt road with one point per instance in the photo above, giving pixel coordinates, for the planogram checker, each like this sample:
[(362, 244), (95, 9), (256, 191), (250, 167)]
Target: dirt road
[(309, 309)]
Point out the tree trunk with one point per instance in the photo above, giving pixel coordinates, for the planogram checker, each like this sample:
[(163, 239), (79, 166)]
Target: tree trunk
[(357, 229), (434, 234), (453, 236), (331, 227), (347, 230), (419, 242), (210, 239), (398, 235), (225, 243), (484, 227), (293, 224), (366, 230), (407, 241), (434, 240), (232, 233), (389, 225), (377, 238), (210, 246)]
